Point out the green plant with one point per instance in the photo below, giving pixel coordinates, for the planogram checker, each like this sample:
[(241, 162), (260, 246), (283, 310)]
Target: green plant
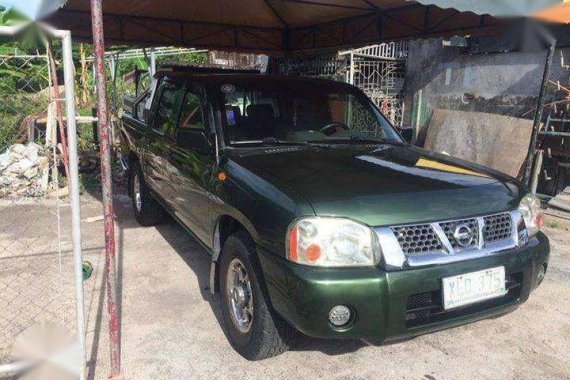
[(23, 96), (554, 224), (89, 181)]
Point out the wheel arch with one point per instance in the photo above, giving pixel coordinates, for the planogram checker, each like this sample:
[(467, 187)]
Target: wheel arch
[(226, 225), (132, 158)]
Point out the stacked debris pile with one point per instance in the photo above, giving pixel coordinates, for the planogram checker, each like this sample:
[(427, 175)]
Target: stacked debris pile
[(23, 171)]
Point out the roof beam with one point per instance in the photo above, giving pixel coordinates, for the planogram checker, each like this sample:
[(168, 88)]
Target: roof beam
[(443, 21), (331, 5), (272, 8), (372, 5), (68, 11)]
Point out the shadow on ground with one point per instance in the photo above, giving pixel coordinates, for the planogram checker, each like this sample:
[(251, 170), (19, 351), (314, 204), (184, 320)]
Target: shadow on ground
[(187, 247), (198, 260)]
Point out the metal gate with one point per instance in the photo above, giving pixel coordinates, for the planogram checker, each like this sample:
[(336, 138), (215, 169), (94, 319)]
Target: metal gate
[(378, 70), (41, 294), (327, 66)]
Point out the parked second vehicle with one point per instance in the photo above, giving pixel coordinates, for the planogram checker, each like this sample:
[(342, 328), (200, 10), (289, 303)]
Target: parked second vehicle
[(320, 218)]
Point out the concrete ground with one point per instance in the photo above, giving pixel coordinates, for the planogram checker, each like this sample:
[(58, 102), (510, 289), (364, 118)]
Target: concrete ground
[(170, 323)]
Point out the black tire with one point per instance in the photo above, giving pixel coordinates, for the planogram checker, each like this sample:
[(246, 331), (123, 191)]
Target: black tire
[(149, 212), (268, 334)]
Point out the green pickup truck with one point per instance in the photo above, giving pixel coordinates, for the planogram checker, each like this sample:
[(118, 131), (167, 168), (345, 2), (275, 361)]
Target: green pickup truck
[(319, 217)]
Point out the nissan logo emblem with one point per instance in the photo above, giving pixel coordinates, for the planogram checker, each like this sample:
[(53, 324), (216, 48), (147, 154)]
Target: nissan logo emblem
[(463, 235)]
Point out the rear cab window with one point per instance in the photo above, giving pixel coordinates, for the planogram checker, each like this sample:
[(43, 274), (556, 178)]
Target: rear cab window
[(191, 115), (169, 96)]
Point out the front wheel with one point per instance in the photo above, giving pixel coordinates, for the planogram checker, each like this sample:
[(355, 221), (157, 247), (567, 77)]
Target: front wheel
[(252, 329)]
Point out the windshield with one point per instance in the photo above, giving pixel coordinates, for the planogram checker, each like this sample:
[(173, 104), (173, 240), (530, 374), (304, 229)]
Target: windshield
[(300, 112)]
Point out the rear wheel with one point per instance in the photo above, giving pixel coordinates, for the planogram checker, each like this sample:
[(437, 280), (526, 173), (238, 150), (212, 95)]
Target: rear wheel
[(148, 211), (251, 327)]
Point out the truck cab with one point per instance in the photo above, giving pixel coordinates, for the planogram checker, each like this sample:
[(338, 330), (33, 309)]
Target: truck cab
[(319, 217)]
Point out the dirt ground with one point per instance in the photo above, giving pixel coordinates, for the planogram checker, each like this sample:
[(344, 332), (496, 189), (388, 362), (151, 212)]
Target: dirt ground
[(171, 329)]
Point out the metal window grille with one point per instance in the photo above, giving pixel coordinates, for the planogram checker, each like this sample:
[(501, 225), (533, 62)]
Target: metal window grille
[(379, 70)]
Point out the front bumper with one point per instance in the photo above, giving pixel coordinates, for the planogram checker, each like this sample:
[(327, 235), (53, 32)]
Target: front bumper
[(393, 305)]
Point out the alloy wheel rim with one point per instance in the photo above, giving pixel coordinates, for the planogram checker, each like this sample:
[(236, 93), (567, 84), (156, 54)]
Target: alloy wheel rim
[(239, 296), (137, 192)]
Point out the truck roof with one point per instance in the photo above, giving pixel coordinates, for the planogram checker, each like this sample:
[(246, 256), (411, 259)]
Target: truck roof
[(193, 69), (220, 77)]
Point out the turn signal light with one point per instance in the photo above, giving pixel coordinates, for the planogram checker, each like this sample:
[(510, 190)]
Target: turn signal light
[(293, 244), (313, 252), (539, 220)]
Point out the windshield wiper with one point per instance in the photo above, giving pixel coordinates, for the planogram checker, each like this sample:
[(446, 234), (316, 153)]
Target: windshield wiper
[(328, 140), (353, 140), (274, 141)]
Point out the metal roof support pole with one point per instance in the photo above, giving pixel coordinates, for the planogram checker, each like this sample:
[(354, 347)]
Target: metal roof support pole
[(152, 62), (69, 80), (106, 184), (351, 75), (538, 112)]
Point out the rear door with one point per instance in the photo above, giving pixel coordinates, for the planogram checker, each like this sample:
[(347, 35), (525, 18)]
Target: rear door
[(192, 162)]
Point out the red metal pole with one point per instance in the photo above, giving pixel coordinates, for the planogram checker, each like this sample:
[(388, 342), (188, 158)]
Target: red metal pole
[(106, 184)]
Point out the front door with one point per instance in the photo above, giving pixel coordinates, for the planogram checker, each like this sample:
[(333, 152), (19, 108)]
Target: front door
[(192, 159)]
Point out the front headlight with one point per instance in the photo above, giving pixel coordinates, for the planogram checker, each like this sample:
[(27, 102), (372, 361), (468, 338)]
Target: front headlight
[(331, 242), (530, 211)]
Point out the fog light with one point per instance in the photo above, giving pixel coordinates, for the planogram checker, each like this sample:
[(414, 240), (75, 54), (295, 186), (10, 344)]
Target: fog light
[(339, 315)]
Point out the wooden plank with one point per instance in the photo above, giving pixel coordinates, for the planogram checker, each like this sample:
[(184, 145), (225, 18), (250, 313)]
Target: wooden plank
[(557, 213), (497, 141), (561, 201)]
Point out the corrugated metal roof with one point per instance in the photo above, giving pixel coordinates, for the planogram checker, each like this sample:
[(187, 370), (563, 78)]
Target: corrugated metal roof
[(277, 26)]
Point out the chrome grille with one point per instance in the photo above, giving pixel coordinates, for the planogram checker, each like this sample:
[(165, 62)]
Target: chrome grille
[(417, 240), (449, 230), (436, 238), (497, 227), (415, 246), (282, 150)]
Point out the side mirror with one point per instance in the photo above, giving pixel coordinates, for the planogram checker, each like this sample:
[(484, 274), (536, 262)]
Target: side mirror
[(194, 139), (407, 134)]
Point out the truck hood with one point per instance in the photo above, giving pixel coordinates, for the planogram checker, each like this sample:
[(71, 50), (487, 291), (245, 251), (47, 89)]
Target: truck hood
[(384, 184)]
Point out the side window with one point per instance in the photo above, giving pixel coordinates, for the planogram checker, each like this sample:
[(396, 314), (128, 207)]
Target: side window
[(191, 115), (166, 111)]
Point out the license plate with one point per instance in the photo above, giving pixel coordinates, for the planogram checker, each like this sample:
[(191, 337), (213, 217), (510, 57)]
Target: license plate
[(473, 287)]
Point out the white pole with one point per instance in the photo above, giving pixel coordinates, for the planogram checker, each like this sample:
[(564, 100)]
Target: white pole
[(94, 81), (418, 111), (351, 78), (152, 62), (74, 190), (112, 66), (68, 68)]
